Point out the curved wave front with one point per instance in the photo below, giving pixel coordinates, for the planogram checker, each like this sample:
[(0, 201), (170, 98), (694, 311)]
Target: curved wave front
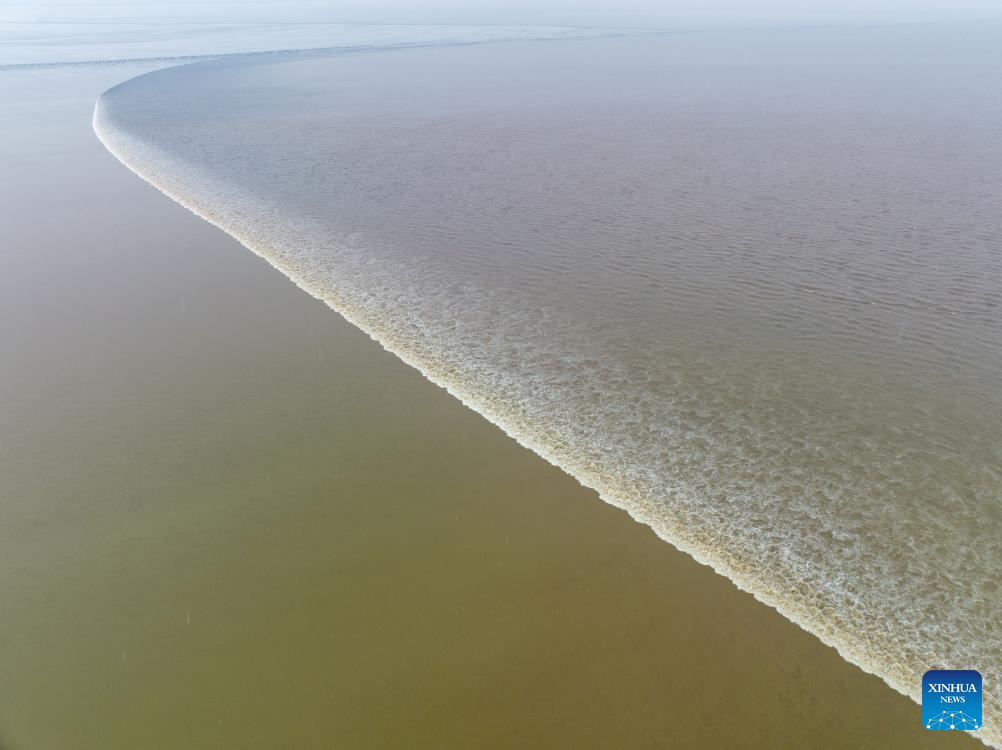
[(759, 316)]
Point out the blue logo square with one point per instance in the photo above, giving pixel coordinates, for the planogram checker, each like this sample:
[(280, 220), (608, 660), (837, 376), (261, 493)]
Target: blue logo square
[(951, 699)]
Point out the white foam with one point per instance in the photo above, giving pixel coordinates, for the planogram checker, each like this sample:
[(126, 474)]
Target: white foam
[(776, 496)]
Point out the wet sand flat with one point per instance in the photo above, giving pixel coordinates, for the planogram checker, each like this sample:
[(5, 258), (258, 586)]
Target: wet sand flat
[(232, 520)]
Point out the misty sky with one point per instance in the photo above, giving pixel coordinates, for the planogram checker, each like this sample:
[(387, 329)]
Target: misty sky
[(643, 13)]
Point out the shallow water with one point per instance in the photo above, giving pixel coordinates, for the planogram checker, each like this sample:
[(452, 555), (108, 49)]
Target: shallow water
[(746, 285)]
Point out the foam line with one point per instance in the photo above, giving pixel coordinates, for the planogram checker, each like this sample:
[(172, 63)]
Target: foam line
[(775, 570)]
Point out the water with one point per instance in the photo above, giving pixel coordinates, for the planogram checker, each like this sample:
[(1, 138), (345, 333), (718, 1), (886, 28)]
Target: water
[(744, 284), (113, 40), (186, 435)]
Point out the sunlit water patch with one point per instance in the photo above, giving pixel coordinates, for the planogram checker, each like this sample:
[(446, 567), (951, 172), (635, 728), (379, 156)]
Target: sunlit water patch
[(747, 286)]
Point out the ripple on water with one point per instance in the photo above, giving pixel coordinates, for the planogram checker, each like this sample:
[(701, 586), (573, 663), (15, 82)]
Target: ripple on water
[(747, 291)]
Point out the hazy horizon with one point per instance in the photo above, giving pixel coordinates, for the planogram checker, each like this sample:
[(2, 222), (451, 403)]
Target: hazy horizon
[(638, 13)]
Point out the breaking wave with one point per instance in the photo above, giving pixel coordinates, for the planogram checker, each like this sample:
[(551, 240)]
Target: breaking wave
[(759, 317)]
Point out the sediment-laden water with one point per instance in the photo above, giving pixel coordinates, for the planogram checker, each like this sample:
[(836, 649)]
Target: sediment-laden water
[(747, 285)]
